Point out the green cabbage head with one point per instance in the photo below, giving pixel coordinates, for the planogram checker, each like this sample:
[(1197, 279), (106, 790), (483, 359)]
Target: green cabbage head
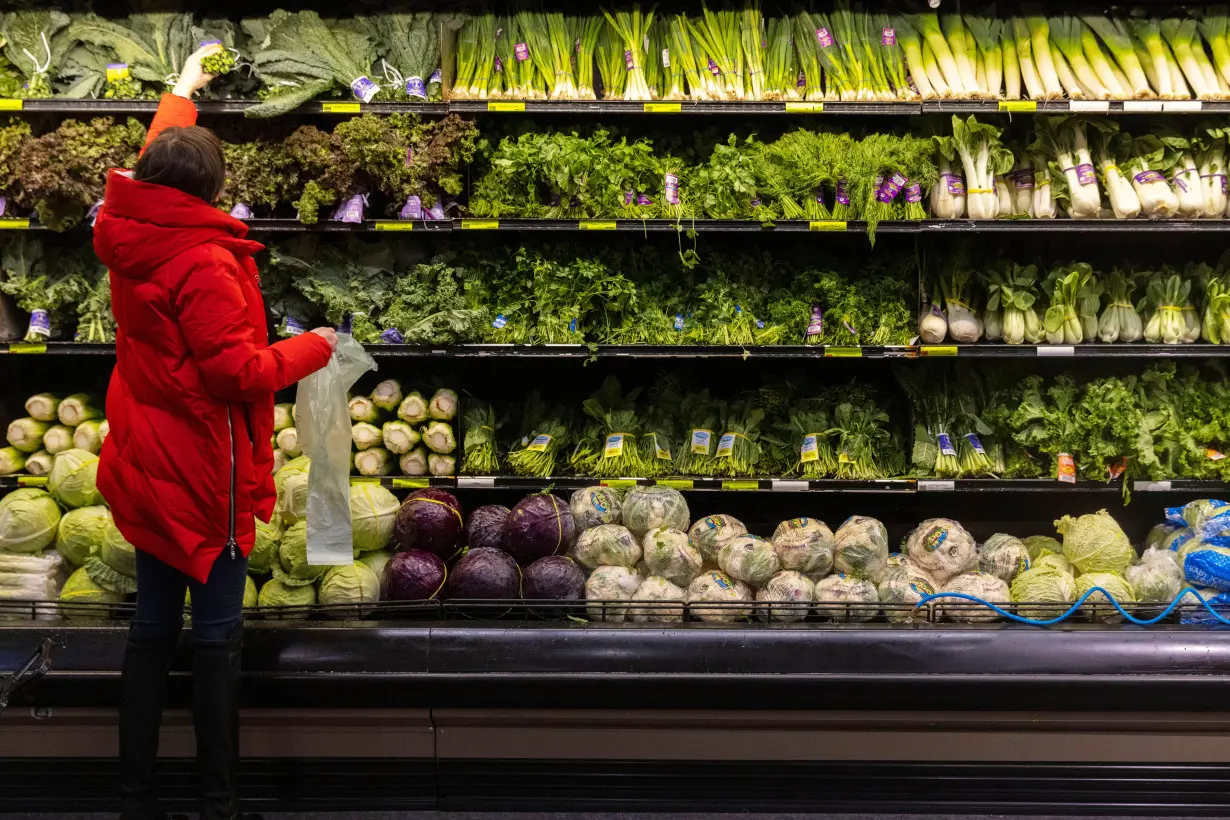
[(265, 549), (293, 568), (349, 584), (1095, 543), (80, 588), (81, 532), (28, 520), (72, 478), (373, 509), (277, 593)]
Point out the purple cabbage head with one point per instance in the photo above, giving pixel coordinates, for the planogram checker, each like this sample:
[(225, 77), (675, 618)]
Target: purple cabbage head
[(538, 526), (429, 519), (413, 575), (554, 578), (486, 527), (485, 573)]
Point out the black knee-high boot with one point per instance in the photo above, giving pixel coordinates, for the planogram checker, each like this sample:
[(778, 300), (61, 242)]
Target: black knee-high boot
[(143, 686), (215, 713)]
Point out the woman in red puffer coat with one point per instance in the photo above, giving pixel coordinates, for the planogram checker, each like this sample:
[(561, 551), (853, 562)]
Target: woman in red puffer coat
[(187, 466)]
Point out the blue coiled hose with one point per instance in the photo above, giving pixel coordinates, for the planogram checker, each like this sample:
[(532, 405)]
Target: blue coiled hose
[(1061, 618)]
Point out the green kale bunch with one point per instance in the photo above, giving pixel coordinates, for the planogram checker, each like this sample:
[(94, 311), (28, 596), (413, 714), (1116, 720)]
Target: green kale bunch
[(258, 174), (428, 306), (13, 137), (51, 281)]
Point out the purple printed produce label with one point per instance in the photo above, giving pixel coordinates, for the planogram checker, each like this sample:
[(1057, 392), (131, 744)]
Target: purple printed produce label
[(666, 58), (577, 45), (347, 325), (4, 204), (641, 199), (945, 443), (392, 336), (436, 211), (241, 211), (364, 89), (956, 184), (409, 155), (890, 188), (842, 197), (436, 77), (92, 214), (815, 325), (415, 87), (888, 37), (820, 195), (40, 323), (678, 323), (204, 43), (802, 81), (713, 68), (499, 66), (522, 51), (629, 198), (975, 443), (628, 61), (824, 38), (413, 209), (293, 326), (1221, 177), (755, 203), (351, 211), (1085, 174), (672, 189), (849, 327), (1024, 178), (913, 192), (1146, 177)]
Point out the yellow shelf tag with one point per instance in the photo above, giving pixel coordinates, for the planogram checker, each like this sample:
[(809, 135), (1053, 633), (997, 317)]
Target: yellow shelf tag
[(365, 479), (618, 482), (505, 106), (804, 108), (411, 483), (393, 225), (27, 347), (827, 225), (480, 224), (11, 105), (31, 481), (741, 485), (596, 224), (676, 483), (937, 350), (1018, 106), (340, 107), (843, 352), (663, 108), (14, 224)]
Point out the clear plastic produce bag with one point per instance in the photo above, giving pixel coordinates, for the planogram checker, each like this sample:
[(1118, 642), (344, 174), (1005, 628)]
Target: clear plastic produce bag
[(324, 434)]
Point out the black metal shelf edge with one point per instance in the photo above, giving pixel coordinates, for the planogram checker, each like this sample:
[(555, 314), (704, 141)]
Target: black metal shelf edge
[(63, 106)]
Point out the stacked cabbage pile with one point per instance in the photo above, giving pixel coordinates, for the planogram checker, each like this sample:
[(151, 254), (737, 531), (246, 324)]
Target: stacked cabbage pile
[(52, 424), (1195, 539)]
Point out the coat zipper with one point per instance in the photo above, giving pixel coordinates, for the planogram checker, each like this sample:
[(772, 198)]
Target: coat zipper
[(230, 433)]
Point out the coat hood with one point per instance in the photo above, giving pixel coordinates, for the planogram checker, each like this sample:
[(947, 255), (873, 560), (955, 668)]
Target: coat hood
[(143, 226)]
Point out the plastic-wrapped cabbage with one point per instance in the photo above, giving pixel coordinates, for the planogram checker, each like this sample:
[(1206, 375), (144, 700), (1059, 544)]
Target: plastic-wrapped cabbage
[(265, 549), (905, 583), (277, 593), (846, 589), (805, 545), (594, 506), (1207, 517), (293, 568), (1036, 543), (860, 547), (1042, 585), (1158, 534), (715, 587), (942, 547), (81, 589), (1112, 582), (610, 545), (1095, 543), (81, 532), (291, 484), (1176, 540), (611, 584), (978, 584), (28, 521), (375, 560), (72, 479), (1055, 562), (895, 559), (661, 591), (1206, 565), (249, 592), (750, 559), (373, 511), (670, 554), (1004, 557), (792, 591), (31, 577), (710, 534), (349, 584), (1157, 577), (648, 508)]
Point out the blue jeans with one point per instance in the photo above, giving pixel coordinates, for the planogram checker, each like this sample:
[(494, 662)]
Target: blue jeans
[(217, 604)]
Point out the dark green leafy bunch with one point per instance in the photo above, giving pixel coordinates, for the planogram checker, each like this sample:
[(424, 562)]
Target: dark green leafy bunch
[(619, 430), (63, 172), (14, 134), (95, 321), (34, 44), (285, 264), (409, 48), (325, 174), (154, 45), (428, 306), (259, 174), (54, 282)]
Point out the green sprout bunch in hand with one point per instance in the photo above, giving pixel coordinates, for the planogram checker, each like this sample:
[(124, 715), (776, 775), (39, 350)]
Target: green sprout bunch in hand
[(220, 61)]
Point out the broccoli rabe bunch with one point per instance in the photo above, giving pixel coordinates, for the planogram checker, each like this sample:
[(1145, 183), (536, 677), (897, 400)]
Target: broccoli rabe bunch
[(220, 62)]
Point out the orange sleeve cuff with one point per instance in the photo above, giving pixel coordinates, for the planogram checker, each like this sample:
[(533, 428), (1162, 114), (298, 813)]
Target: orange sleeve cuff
[(173, 111)]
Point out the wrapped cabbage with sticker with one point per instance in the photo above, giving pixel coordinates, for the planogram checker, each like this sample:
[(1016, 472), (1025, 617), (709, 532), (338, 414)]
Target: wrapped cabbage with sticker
[(805, 545), (942, 547), (1042, 585), (1003, 556), (750, 559), (1205, 565), (611, 584), (860, 547), (710, 533), (791, 591), (648, 508), (1095, 543), (977, 584), (722, 593), (1158, 534), (905, 584), (1112, 582), (662, 593), (1156, 577), (671, 555), (846, 589), (607, 545), (593, 506)]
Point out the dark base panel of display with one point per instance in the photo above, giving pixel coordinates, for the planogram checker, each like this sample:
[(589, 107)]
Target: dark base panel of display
[(64, 785)]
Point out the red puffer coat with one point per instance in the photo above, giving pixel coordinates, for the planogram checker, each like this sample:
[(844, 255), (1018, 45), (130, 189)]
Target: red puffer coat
[(187, 463)]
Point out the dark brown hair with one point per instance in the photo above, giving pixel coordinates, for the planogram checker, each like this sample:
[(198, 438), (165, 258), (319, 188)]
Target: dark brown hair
[(189, 159)]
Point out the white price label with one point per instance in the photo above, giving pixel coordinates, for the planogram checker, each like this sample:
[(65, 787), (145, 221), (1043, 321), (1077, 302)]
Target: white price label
[(783, 486), (1089, 106), (1153, 486), (475, 483), (1056, 350), (1182, 106), (1142, 106), (936, 486)]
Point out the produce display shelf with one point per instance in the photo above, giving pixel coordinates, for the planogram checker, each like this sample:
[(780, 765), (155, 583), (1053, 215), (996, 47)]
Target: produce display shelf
[(1076, 107), (900, 109), (55, 105)]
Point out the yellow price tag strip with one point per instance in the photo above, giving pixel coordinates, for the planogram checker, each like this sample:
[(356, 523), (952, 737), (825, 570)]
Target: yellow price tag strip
[(27, 347), (480, 224), (618, 482), (804, 108), (411, 483), (937, 350), (1018, 106), (741, 485), (677, 483), (364, 479), (340, 107), (505, 106), (827, 225), (843, 352), (14, 224), (663, 108), (393, 225), (31, 481), (597, 224), (11, 105)]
